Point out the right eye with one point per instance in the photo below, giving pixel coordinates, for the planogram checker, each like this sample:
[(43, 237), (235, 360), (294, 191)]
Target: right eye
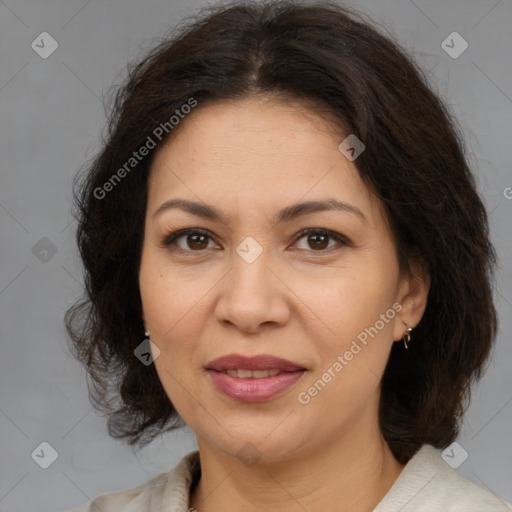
[(196, 240)]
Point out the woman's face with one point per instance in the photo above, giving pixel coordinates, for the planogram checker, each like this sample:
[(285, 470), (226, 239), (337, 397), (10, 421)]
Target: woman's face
[(252, 284)]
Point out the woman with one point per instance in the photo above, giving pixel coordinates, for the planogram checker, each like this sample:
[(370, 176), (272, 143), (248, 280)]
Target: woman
[(284, 248)]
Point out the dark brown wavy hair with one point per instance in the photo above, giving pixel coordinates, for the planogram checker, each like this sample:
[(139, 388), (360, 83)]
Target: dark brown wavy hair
[(337, 59)]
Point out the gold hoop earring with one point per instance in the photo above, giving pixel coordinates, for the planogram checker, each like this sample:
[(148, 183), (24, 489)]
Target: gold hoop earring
[(407, 335)]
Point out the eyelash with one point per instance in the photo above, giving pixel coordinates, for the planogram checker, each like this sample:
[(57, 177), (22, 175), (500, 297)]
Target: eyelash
[(170, 239)]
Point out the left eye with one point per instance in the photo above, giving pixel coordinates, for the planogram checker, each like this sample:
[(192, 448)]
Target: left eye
[(197, 240), (319, 238)]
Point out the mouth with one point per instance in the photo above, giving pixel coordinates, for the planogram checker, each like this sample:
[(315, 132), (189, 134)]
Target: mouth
[(252, 374), (254, 385), (253, 378), (256, 367)]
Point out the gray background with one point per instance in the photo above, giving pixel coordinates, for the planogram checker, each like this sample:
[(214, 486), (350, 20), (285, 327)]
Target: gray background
[(50, 122)]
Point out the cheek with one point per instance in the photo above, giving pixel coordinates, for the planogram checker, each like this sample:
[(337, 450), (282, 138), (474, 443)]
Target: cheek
[(354, 300), (353, 354), (171, 312), (174, 312), (164, 297), (357, 316)]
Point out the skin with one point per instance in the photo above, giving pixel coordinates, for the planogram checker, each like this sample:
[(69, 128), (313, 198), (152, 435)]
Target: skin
[(301, 300)]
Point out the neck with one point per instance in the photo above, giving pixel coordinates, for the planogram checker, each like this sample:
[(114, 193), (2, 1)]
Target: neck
[(355, 474)]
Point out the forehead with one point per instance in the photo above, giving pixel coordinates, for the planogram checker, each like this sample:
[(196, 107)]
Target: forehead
[(256, 125), (259, 153)]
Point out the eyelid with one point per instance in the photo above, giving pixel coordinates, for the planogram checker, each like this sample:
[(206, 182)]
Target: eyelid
[(332, 234), (338, 237), (172, 237)]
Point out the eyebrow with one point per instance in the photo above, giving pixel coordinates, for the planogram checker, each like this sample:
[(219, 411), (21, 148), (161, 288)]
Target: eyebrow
[(284, 215)]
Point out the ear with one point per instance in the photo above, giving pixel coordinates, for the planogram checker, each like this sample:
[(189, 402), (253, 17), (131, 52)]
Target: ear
[(412, 296)]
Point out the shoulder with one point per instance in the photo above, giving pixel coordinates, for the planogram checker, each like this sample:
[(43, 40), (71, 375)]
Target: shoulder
[(170, 489), (428, 484)]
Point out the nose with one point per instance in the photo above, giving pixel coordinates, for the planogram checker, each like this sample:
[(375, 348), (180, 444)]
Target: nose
[(252, 295)]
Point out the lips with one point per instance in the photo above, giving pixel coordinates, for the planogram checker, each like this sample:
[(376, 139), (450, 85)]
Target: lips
[(253, 379), (253, 363)]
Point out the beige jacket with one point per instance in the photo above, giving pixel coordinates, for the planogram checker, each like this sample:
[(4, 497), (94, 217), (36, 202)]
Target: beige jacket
[(426, 484)]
